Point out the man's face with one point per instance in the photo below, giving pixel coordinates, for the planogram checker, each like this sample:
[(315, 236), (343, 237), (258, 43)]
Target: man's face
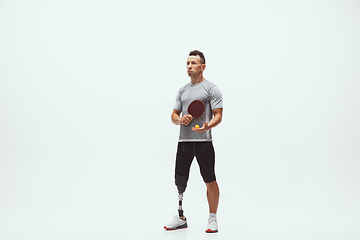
[(194, 66)]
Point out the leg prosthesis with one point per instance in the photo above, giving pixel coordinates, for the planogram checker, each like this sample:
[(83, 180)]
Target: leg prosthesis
[(181, 212), (181, 183)]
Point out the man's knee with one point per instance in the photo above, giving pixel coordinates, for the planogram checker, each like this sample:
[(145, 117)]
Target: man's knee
[(212, 185)]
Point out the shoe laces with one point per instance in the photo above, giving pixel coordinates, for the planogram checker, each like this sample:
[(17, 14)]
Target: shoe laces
[(175, 220), (212, 222)]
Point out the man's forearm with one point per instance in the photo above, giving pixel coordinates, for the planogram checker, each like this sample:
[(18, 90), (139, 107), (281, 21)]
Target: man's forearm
[(175, 118), (216, 120)]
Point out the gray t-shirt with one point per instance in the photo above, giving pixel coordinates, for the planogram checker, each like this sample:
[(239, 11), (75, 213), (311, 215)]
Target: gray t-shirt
[(205, 91)]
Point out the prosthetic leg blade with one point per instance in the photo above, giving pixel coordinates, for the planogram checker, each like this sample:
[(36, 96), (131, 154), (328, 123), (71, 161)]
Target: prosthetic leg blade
[(181, 212)]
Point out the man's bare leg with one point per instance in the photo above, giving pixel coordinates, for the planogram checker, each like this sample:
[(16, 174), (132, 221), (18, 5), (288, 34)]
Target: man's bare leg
[(213, 194)]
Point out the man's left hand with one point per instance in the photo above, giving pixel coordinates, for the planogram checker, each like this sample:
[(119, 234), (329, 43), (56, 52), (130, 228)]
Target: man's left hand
[(204, 128)]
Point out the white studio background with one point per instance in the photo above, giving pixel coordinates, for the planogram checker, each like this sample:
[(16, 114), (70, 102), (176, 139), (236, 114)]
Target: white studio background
[(87, 147)]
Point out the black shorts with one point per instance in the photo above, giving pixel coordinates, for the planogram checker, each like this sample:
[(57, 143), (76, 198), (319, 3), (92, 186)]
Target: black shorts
[(205, 156)]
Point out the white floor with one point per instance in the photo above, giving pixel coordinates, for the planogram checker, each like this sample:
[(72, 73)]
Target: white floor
[(115, 223), (101, 203)]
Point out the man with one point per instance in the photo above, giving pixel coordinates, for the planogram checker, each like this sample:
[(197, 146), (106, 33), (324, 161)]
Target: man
[(197, 141)]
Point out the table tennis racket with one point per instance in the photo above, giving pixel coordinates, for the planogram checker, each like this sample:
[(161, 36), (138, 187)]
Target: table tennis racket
[(196, 108)]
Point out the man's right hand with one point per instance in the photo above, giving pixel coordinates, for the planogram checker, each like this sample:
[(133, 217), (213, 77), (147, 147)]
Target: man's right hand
[(186, 119)]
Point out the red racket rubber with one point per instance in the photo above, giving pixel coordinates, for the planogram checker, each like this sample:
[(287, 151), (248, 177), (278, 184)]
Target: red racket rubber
[(196, 108)]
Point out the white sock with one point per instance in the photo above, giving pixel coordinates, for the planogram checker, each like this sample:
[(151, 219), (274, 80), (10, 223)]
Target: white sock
[(212, 215)]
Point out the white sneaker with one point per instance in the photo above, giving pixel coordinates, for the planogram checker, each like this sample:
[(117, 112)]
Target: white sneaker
[(212, 226), (176, 223)]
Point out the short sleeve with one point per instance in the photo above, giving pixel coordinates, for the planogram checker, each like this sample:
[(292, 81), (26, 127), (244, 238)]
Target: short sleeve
[(178, 104), (216, 98)]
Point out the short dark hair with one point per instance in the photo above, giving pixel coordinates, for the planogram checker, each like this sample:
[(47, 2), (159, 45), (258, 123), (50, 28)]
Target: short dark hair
[(198, 53)]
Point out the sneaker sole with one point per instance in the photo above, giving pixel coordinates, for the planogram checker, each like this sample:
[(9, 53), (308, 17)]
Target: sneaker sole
[(171, 229), (211, 231)]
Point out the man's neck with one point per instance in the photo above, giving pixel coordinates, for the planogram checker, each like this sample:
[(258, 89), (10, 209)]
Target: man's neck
[(198, 79)]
